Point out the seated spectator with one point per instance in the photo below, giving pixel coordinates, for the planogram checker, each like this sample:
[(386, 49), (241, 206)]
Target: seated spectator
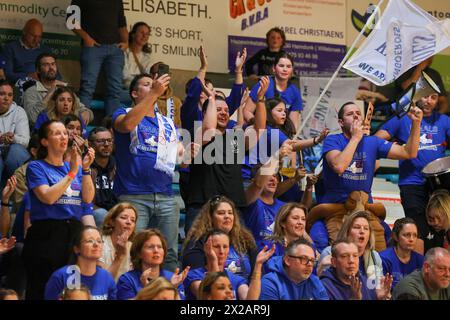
[(356, 228), (80, 293), (220, 213), (431, 283), (291, 277), (37, 97), (216, 286), (137, 58), (75, 131), (87, 250), (5, 217), (216, 248), (148, 252), (438, 218), (103, 172), (265, 58), (62, 103), (168, 104), (159, 289), (401, 259), (14, 132), (8, 294), (289, 226), (344, 281), (117, 232), (20, 54)]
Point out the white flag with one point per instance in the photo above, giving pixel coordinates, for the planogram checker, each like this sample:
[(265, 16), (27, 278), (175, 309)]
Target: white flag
[(404, 36)]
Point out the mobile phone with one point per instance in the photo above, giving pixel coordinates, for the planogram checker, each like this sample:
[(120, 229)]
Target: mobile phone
[(163, 69)]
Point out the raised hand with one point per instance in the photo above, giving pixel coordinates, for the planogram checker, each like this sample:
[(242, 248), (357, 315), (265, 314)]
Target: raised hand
[(311, 180), (357, 129), (160, 85), (88, 159), (148, 275), (355, 285), (265, 254), (323, 135), (263, 86), (203, 59), (240, 60), (7, 244), (178, 277), (383, 291), (75, 158), (9, 188), (415, 114)]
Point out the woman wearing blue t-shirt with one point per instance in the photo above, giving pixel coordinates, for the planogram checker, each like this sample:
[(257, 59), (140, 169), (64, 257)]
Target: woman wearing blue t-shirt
[(290, 224), (57, 190), (401, 259), (220, 213), (148, 252), (87, 250), (216, 248), (62, 103), (279, 86)]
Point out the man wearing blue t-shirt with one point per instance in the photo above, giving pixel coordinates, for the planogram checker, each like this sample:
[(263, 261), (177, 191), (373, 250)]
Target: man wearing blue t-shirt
[(434, 131), (144, 166), (291, 277), (350, 156)]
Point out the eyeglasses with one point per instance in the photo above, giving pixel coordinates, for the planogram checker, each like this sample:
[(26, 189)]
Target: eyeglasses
[(103, 141), (93, 241), (305, 260)]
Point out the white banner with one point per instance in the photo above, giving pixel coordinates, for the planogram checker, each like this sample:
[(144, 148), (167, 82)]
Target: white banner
[(325, 115), (403, 37)]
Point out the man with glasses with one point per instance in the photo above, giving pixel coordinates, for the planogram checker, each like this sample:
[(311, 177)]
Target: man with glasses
[(103, 172), (434, 131), (431, 283), (291, 275), (343, 281)]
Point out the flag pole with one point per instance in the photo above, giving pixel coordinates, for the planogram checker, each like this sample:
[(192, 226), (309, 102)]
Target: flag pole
[(372, 16)]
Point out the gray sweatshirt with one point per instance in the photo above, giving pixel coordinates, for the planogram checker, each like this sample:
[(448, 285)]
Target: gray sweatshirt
[(16, 120)]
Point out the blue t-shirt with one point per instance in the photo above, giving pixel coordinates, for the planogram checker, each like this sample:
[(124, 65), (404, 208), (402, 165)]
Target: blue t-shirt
[(260, 217), (101, 284), (269, 143), (43, 117), (434, 130), (68, 206), (277, 286), (396, 268), (198, 275), (129, 284), (238, 264), (291, 96), (359, 174), (136, 158)]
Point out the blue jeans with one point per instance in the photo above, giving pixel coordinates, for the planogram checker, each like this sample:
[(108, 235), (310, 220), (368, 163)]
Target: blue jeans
[(92, 59), (161, 212), (99, 216), (11, 158)]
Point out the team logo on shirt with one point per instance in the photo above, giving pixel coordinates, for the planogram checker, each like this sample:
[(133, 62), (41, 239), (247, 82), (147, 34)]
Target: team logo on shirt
[(151, 141)]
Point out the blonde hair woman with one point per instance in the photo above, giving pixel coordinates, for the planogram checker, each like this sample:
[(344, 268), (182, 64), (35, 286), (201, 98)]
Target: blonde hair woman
[(438, 218), (118, 231), (158, 289)]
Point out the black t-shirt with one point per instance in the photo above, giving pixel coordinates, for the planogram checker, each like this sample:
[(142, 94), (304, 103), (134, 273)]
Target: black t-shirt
[(101, 19), (104, 177), (264, 59), (221, 175)]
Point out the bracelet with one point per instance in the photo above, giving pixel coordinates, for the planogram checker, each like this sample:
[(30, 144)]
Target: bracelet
[(71, 175), (86, 172), (5, 204), (262, 100)]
